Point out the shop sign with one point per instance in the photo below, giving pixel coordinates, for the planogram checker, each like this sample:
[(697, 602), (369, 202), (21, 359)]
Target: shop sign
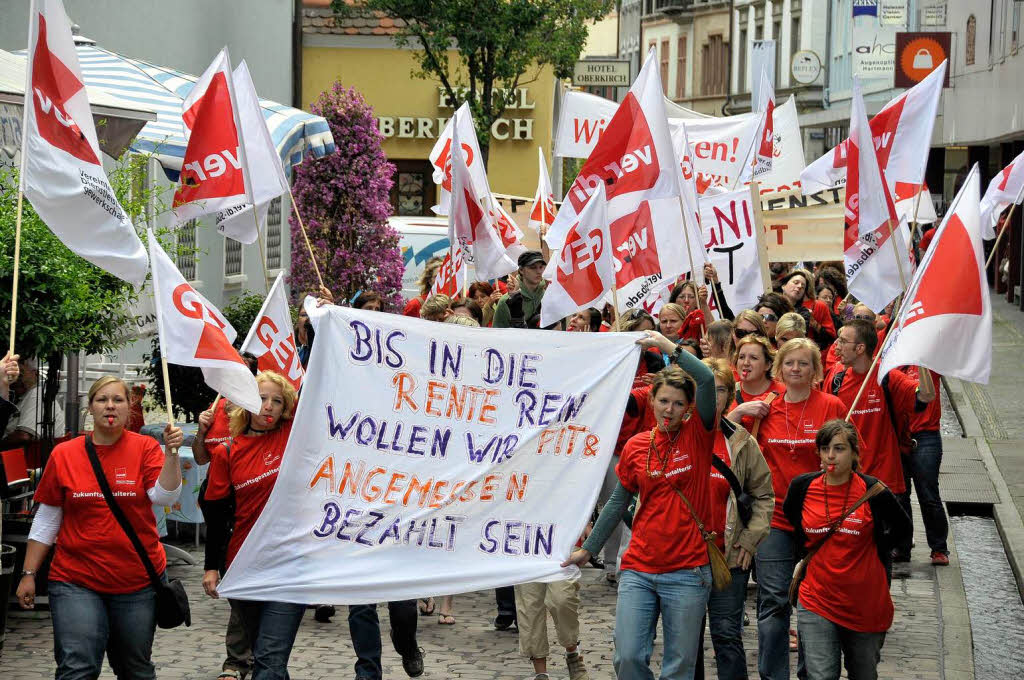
[(601, 73), (503, 129), (918, 54), (805, 66)]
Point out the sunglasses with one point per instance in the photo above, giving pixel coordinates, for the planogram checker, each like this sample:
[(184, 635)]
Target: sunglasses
[(740, 334), (769, 317), (637, 314), (862, 317)]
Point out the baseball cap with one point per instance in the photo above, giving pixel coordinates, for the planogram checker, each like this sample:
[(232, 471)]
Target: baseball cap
[(531, 257)]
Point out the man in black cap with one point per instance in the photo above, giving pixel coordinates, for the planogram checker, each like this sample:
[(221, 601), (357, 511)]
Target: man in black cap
[(521, 309)]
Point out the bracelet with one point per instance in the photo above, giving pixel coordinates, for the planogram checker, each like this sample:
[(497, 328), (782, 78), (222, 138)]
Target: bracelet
[(28, 572)]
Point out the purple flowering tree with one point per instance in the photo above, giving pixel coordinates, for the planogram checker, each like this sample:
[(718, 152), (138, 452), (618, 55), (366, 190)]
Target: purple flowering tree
[(343, 200)]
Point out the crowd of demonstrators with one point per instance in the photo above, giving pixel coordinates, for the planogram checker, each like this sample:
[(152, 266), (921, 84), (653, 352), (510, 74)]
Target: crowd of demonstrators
[(26, 427)]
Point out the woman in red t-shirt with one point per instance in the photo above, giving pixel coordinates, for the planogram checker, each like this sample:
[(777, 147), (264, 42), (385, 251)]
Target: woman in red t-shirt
[(692, 301), (412, 307), (243, 473), (666, 570), (844, 605), (101, 598), (752, 361), (798, 288), (786, 437)]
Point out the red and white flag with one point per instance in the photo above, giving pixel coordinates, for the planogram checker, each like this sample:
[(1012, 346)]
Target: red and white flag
[(766, 133), (1005, 188), (948, 299), (584, 269), (691, 202), (194, 333), (543, 213), (871, 262), (61, 167), (212, 178), (270, 338), (451, 275), (261, 165), (469, 225), (507, 230), (441, 156), (902, 133)]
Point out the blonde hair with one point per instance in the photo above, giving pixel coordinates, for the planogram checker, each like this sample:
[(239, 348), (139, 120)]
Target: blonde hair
[(798, 344), (435, 305), (723, 371), (763, 343), (460, 320), (754, 319), (673, 307), (625, 323), (429, 272), (791, 321), (103, 382), (238, 417)]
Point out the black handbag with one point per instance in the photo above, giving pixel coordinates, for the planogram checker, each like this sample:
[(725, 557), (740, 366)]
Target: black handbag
[(172, 608)]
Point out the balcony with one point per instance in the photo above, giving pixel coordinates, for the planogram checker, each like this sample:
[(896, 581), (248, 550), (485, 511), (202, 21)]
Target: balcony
[(667, 7)]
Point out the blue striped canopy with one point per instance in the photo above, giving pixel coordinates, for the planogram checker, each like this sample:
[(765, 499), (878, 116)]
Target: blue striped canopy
[(162, 90)]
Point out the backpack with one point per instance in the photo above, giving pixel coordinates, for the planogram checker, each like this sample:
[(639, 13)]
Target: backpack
[(516, 304), (903, 438)]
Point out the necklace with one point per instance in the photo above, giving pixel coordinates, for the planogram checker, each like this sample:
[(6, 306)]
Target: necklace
[(789, 436), (662, 459), (846, 498)]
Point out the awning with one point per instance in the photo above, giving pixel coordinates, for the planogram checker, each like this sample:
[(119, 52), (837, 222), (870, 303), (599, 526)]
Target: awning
[(295, 132), (117, 120)]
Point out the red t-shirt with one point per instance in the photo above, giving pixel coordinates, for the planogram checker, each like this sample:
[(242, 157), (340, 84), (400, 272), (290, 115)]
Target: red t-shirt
[(830, 357), (930, 418), (773, 386), (412, 307), (720, 490), (880, 450), (92, 550), (821, 314), (665, 537), (845, 581), (786, 437), (219, 431), (251, 469), (642, 422)]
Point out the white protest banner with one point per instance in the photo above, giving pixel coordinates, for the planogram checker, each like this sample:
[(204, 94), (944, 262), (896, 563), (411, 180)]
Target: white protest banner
[(804, 227), (458, 465), (730, 239), (723, 148), (787, 150)]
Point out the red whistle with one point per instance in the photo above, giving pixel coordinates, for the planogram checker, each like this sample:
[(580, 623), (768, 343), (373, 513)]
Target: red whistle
[(268, 419), (832, 467), (110, 420)]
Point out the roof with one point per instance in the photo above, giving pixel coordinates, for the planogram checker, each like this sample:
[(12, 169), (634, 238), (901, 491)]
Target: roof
[(317, 17)]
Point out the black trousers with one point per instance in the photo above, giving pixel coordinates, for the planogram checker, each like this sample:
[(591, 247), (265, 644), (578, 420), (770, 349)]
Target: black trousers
[(506, 599), (364, 627)]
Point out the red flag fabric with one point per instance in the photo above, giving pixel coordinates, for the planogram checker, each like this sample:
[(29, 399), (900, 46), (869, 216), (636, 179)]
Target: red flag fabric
[(766, 143), (1005, 188), (451, 275), (441, 156), (271, 339)]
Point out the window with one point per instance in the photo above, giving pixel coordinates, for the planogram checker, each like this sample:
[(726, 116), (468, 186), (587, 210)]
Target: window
[(972, 32), (274, 234), (664, 67), (186, 255), (777, 35), (232, 257), (794, 39), (681, 68), (714, 62), (742, 71), (412, 188)]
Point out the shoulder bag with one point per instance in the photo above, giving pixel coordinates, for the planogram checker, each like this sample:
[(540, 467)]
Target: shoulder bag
[(172, 608), (801, 568)]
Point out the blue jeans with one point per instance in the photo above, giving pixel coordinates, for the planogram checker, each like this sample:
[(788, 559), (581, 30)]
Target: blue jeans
[(681, 598), (364, 627), (725, 620), (271, 627), (775, 559), (87, 623), (922, 469), (823, 641)]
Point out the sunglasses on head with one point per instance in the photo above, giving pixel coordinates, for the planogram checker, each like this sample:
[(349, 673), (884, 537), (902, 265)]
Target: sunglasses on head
[(637, 314), (863, 317), (769, 317)]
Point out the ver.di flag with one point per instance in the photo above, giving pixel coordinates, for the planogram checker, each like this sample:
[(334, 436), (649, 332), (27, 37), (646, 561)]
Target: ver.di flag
[(270, 338), (463, 462), (766, 133), (441, 156), (584, 269), (450, 279), (945, 323), (1005, 188), (543, 213), (61, 168), (194, 333)]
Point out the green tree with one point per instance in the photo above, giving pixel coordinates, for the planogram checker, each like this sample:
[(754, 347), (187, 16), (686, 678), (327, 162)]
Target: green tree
[(499, 44)]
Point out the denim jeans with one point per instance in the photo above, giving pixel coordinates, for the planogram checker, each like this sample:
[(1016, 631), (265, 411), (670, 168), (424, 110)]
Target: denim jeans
[(823, 641), (681, 598), (922, 468), (775, 559), (364, 626), (725, 617), (86, 624), (271, 627)]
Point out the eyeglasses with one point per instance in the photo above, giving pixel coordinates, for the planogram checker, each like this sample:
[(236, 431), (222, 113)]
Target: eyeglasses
[(769, 317), (740, 333), (863, 317)]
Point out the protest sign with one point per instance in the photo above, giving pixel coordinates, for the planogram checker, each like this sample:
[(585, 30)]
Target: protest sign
[(730, 238), (458, 465), (799, 227)]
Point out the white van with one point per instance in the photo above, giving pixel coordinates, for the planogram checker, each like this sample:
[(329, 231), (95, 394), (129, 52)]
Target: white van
[(420, 239)]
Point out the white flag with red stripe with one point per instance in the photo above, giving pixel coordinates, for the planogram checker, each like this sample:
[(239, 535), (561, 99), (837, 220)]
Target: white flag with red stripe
[(766, 132), (211, 178), (945, 323), (543, 213), (584, 269), (194, 333), (441, 156), (1005, 188), (902, 133), (61, 168), (270, 338), (451, 275), (505, 227)]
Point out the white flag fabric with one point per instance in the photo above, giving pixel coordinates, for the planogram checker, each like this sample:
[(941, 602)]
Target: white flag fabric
[(212, 178), (766, 133), (1005, 188), (723, 149), (194, 333), (945, 323), (263, 170), (449, 470), (441, 156), (61, 168), (543, 213), (788, 150), (509, 233), (868, 202), (902, 133), (584, 269), (690, 202), (270, 338), (451, 275)]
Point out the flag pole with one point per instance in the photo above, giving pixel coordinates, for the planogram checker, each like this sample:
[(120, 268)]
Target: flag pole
[(305, 236), (995, 246), (615, 303), (17, 269), (917, 204), (150, 240)]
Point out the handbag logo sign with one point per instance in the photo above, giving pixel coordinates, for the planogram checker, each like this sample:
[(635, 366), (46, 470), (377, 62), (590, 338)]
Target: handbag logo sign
[(923, 59)]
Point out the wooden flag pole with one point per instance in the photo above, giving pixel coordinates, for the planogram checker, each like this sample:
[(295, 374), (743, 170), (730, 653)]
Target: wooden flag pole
[(995, 246), (917, 204), (762, 245), (615, 304), (17, 269), (305, 236)]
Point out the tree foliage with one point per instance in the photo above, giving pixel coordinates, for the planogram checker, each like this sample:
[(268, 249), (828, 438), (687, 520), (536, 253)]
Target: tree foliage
[(501, 44), (344, 203)]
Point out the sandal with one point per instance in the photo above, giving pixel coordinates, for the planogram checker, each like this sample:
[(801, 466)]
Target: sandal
[(445, 620), (426, 607)]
